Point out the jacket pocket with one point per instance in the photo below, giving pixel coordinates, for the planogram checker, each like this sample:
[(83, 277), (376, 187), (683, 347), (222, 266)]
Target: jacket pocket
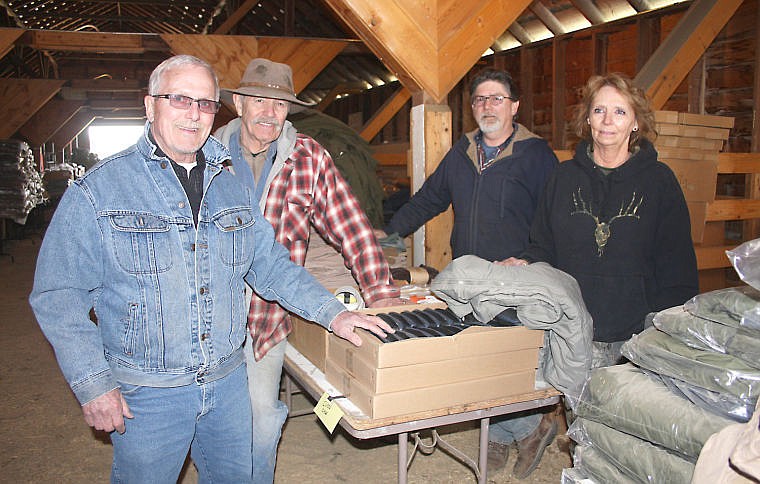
[(235, 244), (141, 242)]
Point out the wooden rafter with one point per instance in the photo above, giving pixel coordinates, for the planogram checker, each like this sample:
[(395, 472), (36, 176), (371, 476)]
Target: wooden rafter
[(681, 50), (429, 45), (386, 112), (35, 94)]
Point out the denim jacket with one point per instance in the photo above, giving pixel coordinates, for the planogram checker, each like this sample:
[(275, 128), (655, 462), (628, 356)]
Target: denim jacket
[(168, 296)]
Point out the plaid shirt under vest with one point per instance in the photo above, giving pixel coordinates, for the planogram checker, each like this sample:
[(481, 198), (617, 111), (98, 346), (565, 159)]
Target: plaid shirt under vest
[(310, 190)]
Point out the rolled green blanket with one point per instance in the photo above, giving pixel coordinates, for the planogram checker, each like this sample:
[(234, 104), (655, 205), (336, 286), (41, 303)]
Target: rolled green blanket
[(642, 460), (624, 398), (658, 352), (705, 334)]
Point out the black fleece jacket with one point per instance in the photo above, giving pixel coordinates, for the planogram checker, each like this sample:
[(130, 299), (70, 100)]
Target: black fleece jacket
[(624, 236), (493, 209)]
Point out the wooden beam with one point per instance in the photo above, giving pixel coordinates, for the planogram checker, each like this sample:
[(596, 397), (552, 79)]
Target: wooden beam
[(686, 43), (48, 120), (547, 17), (559, 47), (71, 130), (35, 93), (306, 57), (430, 140), (109, 85), (429, 45), (739, 163), (86, 41), (386, 112), (339, 89), (527, 65), (712, 257), (649, 39), (733, 209), (8, 38), (696, 80), (235, 17), (228, 54), (590, 11)]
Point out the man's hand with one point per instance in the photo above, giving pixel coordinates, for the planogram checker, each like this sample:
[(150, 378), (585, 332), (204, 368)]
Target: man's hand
[(344, 323), (107, 412), (389, 301), (512, 261)]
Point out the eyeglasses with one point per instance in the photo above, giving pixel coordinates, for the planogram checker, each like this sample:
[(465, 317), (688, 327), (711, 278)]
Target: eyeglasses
[(184, 102), (496, 100)]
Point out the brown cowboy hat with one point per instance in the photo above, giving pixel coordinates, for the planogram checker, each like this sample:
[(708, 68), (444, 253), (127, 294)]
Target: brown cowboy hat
[(264, 78)]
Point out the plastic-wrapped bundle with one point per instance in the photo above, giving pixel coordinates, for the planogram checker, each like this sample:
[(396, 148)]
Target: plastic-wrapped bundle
[(733, 306), (636, 458), (719, 403), (658, 352), (626, 399), (704, 334), (597, 467)]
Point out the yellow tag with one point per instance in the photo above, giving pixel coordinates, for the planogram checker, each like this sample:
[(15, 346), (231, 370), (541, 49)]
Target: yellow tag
[(328, 412)]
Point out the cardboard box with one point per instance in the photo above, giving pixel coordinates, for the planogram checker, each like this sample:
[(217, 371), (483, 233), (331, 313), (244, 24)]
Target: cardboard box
[(681, 142), (470, 342), (697, 215), (683, 153), (429, 398), (667, 129), (310, 339), (697, 178), (399, 378)]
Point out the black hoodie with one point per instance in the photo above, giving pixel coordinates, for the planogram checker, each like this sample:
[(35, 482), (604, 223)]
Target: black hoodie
[(624, 236)]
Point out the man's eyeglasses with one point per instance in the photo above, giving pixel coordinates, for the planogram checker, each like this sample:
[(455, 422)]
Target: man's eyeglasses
[(184, 102), (496, 100)]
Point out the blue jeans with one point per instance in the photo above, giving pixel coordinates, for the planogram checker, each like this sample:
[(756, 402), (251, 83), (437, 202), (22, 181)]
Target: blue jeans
[(212, 420), (269, 413), (512, 428)]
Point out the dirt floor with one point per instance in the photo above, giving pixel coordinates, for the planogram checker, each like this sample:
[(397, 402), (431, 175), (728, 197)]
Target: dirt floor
[(45, 438)]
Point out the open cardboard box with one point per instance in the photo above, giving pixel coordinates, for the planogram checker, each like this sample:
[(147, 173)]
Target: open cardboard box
[(310, 339)]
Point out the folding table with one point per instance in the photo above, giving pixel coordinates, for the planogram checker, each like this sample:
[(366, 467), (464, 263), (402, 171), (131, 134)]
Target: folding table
[(312, 381)]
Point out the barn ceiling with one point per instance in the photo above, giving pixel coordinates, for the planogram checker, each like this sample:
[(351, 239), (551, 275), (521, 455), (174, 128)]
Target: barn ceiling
[(356, 66)]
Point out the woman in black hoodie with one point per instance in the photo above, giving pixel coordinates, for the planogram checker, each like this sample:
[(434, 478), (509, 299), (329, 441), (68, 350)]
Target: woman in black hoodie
[(615, 218)]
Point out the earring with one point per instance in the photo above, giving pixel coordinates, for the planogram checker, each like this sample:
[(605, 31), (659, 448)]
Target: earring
[(635, 128), (588, 121)]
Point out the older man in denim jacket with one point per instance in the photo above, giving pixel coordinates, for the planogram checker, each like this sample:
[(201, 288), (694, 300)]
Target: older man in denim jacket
[(160, 240)]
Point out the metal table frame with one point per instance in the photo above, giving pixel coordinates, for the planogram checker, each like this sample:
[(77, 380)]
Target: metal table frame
[(313, 382)]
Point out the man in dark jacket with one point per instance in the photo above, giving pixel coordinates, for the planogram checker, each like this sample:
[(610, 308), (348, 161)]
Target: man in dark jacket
[(493, 178)]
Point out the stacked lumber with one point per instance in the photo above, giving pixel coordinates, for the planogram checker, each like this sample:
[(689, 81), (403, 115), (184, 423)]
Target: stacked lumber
[(689, 144), (21, 186)]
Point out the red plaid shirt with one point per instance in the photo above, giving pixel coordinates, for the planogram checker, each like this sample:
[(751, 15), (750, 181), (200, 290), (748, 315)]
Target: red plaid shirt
[(310, 190)]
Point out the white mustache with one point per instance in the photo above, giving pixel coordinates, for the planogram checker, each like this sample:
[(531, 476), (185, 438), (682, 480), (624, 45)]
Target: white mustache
[(267, 120)]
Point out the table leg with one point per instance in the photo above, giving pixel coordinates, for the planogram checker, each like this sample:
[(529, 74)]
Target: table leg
[(483, 451), (403, 439)]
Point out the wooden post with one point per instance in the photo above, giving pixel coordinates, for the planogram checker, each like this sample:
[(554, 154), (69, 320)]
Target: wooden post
[(430, 140)]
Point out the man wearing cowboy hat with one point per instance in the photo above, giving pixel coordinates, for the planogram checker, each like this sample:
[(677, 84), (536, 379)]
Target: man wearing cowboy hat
[(298, 186)]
